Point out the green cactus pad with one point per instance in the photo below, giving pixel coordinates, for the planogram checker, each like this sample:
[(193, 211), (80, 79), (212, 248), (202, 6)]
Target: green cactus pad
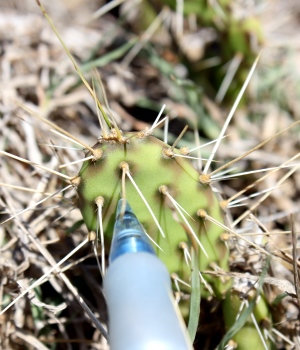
[(153, 166)]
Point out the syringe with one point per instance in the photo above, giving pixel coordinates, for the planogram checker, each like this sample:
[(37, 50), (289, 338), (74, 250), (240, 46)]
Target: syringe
[(142, 311)]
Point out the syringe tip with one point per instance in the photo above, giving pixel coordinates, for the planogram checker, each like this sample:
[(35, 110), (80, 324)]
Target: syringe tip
[(129, 235)]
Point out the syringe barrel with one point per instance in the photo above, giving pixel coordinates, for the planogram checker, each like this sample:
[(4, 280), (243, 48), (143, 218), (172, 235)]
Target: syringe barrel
[(142, 310)]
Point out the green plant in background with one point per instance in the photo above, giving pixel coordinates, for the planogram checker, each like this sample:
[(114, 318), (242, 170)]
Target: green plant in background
[(222, 42)]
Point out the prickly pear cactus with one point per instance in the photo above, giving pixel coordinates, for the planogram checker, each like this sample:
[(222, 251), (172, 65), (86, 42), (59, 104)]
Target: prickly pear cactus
[(162, 177), (172, 200)]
